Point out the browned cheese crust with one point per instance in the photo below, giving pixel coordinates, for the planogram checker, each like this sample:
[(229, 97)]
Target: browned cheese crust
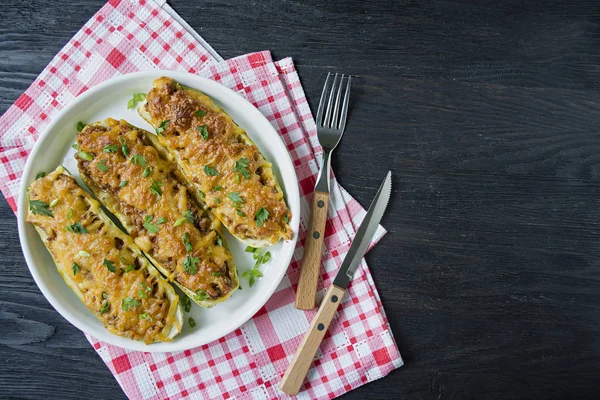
[(208, 144), (152, 201)]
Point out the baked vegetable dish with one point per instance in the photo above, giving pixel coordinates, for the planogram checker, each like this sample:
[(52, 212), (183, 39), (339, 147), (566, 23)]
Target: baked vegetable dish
[(130, 174), (233, 178), (100, 263)]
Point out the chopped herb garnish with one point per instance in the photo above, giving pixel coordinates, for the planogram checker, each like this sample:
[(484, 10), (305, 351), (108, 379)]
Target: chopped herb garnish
[(218, 200), (111, 148), (138, 160), (189, 265), (83, 253), (201, 295), (286, 219), (261, 257), (77, 228), (187, 304), (155, 188), (124, 147), (236, 178), (219, 241), (69, 213), (161, 128), (200, 194), (200, 113), (210, 171), (192, 322), (53, 203), (152, 228), (104, 295), (266, 257), (241, 166), (142, 293), (217, 188), (251, 275), (129, 303), (240, 213), (216, 273), (109, 264), (123, 183), (130, 268), (75, 146), (187, 216), (136, 98), (102, 166), (186, 242), (236, 198), (145, 316), (105, 307), (261, 216), (203, 131), (80, 126), (85, 156), (76, 268), (147, 171), (250, 249), (40, 175)]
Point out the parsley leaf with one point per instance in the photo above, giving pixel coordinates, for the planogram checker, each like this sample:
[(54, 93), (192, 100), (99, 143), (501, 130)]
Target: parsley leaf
[(241, 166), (110, 265), (69, 213), (75, 146), (123, 183), (85, 156), (76, 268), (210, 171), (201, 295), (130, 268), (38, 207), (192, 322), (124, 147), (155, 188), (138, 160), (187, 304), (80, 126), (129, 303), (111, 148), (218, 200), (250, 249), (261, 216), (200, 113), (102, 166), (216, 273), (186, 242), (145, 316), (77, 228), (142, 293), (203, 131), (286, 219), (217, 188), (105, 307), (189, 265), (161, 128), (219, 241), (187, 216), (240, 213), (235, 198), (147, 171), (84, 254), (137, 97), (40, 175), (152, 228)]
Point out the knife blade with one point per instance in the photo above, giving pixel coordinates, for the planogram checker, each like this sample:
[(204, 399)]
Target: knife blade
[(296, 372)]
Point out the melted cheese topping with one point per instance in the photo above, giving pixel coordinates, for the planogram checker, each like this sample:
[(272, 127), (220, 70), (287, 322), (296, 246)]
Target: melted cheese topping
[(223, 144), (151, 202), (101, 290)]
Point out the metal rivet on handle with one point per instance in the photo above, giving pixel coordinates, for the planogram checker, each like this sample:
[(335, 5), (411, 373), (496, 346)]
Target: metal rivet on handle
[(321, 203), (316, 235), (334, 299), (320, 327)]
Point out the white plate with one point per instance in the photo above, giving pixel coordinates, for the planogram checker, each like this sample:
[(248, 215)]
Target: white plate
[(109, 99)]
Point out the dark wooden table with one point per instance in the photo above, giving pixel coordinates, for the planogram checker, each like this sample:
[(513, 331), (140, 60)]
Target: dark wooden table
[(487, 112)]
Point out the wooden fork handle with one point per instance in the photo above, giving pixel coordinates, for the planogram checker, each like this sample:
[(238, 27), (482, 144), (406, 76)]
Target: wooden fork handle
[(296, 372), (311, 263)]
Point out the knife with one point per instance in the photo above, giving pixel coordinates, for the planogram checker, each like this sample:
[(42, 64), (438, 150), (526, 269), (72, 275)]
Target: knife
[(296, 372)]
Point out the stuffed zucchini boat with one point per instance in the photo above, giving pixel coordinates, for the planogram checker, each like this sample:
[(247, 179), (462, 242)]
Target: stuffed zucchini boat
[(214, 153), (100, 263), (124, 170)]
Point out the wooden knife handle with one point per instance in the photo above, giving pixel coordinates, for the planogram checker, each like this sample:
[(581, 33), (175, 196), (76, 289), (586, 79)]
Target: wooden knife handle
[(311, 263), (296, 372)]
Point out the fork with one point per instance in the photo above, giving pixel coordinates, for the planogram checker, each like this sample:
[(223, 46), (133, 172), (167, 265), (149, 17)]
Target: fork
[(330, 128)]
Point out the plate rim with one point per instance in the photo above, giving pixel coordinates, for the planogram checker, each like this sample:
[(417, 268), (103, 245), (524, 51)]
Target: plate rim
[(106, 336)]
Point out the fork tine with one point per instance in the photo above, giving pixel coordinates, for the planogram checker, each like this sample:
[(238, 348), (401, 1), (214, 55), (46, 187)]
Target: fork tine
[(336, 114), (328, 112), (322, 101), (345, 106)]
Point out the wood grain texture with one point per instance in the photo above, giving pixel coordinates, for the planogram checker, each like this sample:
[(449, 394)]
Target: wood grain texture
[(487, 114), (306, 293), (294, 376)]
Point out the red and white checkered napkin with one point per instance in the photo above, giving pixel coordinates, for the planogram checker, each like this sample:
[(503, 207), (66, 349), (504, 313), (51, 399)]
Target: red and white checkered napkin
[(126, 36)]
